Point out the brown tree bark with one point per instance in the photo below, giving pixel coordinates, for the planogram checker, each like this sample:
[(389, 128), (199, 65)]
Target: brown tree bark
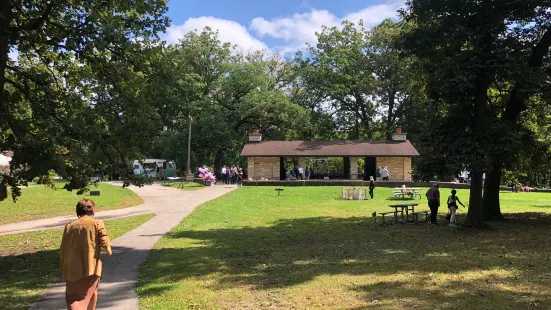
[(390, 114), (475, 215), (3, 190), (218, 166), (492, 208), (5, 20)]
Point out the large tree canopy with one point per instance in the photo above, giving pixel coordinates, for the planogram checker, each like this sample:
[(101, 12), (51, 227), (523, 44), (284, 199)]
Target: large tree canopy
[(483, 60), (227, 93), (73, 100)]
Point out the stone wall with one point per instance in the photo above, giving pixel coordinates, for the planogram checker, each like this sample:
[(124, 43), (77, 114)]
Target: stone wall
[(267, 167), (399, 167), (407, 169)]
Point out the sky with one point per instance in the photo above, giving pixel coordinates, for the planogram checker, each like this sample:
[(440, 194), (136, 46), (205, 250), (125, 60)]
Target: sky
[(282, 26)]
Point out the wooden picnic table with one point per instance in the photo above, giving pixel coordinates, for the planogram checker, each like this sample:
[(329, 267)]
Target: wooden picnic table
[(181, 181), (411, 191), (402, 206)]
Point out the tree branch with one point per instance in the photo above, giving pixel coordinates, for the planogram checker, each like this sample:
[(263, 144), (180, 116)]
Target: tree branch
[(517, 100), (34, 24)]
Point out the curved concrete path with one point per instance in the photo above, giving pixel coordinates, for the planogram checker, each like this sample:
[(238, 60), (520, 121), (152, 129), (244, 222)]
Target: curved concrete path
[(120, 271)]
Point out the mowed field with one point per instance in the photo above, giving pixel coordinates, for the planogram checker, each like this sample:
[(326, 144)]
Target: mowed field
[(40, 201), (309, 248)]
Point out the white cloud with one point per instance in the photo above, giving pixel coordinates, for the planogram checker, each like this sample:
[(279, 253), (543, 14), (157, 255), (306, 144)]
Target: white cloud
[(299, 29), (375, 14), (292, 31), (230, 31)]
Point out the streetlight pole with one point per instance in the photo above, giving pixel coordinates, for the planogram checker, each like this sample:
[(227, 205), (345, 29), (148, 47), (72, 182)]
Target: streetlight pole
[(189, 146)]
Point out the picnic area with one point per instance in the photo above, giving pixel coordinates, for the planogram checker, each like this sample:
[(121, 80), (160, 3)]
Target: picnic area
[(310, 248)]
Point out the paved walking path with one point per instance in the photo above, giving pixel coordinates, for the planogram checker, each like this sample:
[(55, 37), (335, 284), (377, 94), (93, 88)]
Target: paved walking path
[(120, 271)]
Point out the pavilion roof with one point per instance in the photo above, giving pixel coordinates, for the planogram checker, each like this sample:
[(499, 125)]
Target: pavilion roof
[(329, 149)]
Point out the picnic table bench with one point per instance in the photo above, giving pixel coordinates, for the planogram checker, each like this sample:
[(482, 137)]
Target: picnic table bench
[(180, 180), (400, 192), (387, 213), (399, 208), (416, 215)]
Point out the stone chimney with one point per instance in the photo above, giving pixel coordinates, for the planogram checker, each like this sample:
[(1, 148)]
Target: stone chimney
[(255, 136), (398, 135)]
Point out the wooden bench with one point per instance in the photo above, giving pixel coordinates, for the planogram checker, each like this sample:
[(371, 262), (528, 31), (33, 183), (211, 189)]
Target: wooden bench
[(408, 195), (387, 213), (416, 215), (398, 194)]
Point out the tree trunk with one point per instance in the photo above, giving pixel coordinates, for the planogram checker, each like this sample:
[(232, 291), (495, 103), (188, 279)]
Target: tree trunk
[(391, 97), (475, 215), (5, 16), (3, 190), (492, 210), (218, 166), (357, 126)]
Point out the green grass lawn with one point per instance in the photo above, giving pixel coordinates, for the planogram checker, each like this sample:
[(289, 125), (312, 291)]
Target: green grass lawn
[(29, 262), (311, 249), (39, 201), (192, 186)]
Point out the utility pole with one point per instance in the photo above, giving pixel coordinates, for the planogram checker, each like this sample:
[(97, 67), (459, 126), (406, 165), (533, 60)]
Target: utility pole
[(189, 146)]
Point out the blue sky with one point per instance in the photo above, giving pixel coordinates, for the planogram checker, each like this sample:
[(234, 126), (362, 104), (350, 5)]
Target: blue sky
[(282, 25)]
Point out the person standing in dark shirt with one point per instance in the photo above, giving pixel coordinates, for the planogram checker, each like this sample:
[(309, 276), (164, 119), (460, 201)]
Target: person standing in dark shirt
[(371, 186), (433, 196)]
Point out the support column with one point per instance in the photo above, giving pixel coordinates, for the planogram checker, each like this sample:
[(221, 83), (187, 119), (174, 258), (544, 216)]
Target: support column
[(346, 167), (353, 168), (282, 170)]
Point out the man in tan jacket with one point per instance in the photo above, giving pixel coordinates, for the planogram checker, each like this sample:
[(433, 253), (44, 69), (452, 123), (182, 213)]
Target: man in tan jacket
[(83, 239)]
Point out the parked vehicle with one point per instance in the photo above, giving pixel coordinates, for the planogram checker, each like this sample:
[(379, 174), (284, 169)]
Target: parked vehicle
[(167, 168)]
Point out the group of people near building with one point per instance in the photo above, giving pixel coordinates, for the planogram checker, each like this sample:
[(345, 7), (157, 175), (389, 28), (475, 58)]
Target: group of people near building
[(233, 175), (299, 173), (382, 172)]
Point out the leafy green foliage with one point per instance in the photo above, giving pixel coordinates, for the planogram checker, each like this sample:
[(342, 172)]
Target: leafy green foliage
[(482, 62), (73, 101), (227, 94)]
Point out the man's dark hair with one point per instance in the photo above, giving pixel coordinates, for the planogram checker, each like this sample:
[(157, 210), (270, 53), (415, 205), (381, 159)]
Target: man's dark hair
[(86, 207), (454, 192)]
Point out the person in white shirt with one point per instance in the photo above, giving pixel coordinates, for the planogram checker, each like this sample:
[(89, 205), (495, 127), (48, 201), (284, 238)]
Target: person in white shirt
[(224, 172), (384, 173), (300, 172)]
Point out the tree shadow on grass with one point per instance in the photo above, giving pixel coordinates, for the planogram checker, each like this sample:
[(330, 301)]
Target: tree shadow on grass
[(23, 277), (292, 252)]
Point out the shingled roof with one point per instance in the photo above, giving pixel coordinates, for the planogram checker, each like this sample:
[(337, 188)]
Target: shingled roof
[(329, 149)]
